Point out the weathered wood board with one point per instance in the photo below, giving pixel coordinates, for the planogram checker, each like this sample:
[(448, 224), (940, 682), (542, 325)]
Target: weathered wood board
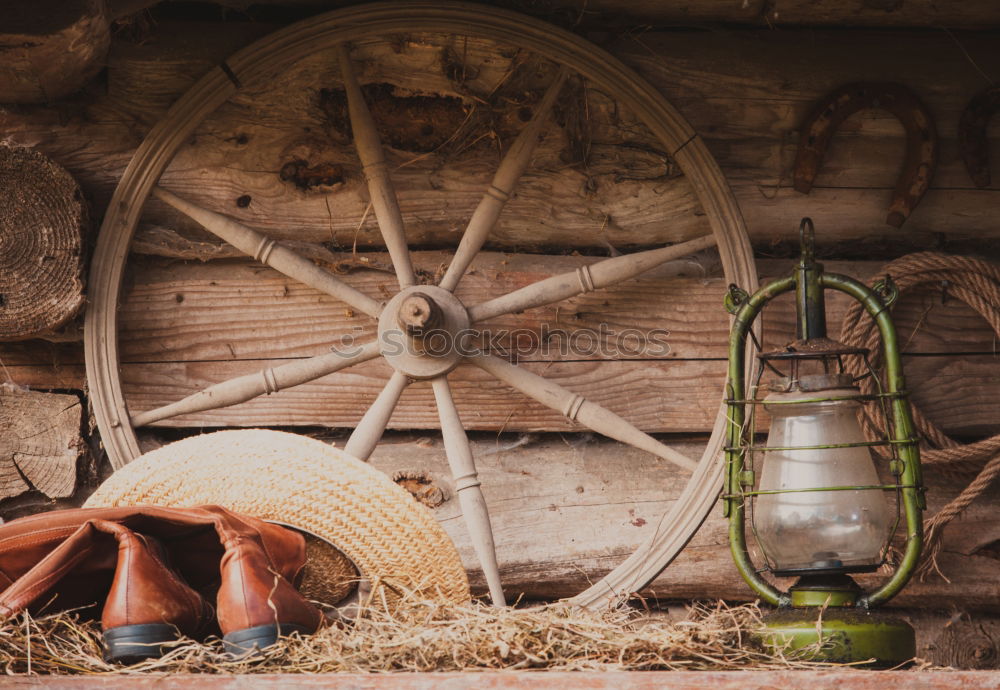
[(186, 326), (745, 91), (566, 509), (673, 382), (600, 14), (654, 396), (972, 15), (172, 306)]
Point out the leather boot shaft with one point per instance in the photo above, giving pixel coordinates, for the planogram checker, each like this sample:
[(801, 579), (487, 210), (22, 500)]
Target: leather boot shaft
[(257, 600)]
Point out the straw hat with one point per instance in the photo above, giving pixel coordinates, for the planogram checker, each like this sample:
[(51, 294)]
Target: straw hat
[(393, 541)]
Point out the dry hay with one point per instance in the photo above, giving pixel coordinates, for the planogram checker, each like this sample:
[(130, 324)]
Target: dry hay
[(429, 636)]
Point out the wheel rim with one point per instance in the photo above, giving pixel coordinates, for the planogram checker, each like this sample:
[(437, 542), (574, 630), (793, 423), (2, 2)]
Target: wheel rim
[(327, 32)]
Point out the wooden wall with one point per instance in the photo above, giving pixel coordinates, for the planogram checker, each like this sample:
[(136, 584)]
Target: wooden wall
[(194, 313)]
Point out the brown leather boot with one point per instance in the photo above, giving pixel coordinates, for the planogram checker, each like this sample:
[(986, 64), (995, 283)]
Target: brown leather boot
[(148, 605), (257, 600), (70, 558), (75, 558)]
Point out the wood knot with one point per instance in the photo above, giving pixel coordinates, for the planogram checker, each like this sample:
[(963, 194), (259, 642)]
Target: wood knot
[(306, 177), (415, 123), (420, 486), (965, 644)]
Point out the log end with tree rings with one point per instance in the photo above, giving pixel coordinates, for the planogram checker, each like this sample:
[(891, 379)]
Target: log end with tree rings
[(43, 218)]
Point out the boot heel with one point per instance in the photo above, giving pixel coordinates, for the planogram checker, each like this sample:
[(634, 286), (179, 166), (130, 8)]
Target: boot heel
[(128, 644), (244, 642)]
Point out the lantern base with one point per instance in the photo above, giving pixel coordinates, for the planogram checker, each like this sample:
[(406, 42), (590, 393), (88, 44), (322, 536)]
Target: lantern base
[(840, 636)]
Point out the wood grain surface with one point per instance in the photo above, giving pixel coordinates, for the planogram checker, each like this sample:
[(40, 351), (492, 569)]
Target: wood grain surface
[(40, 442), (745, 91)]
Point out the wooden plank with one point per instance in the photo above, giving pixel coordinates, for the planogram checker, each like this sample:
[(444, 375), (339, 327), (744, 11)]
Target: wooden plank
[(633, 389), (656, 396), (188, 326), (600, 15), (550, 680), (972, 15), (567, 510), (258, 319), (241, 310), (767, 82), (955, 392), (42, 365), (171, 306), (745, 91)]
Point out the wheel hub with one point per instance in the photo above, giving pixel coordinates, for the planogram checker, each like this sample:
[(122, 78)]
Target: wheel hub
[(422, 331)]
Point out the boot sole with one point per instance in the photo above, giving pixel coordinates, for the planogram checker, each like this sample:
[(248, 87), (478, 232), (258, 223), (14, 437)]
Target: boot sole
[(244, 642), (129, 644)]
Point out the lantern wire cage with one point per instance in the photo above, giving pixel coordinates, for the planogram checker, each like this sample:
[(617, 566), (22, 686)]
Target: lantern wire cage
[(883, 449)]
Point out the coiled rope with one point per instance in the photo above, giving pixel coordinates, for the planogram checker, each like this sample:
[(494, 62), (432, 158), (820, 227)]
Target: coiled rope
[(977, 283)]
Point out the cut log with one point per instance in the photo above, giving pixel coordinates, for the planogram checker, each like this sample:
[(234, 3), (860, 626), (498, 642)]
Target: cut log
[(43, 218), (745, 92), (874, 13), (50, 48), (40, 442), (977, 14)]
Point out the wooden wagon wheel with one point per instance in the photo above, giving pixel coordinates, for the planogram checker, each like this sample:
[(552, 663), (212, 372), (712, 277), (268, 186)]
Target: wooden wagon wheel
[(415, 308)]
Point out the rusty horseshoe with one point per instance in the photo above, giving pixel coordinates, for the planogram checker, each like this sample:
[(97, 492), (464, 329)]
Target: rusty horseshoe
[(972, 134), (921, 139)]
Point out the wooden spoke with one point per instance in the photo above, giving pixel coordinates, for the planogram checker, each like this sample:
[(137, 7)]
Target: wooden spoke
[(383, 195), (270, 253), (467, 486), (577, 408), (585, 279), (371, 427), (243, 388), (505, 180)]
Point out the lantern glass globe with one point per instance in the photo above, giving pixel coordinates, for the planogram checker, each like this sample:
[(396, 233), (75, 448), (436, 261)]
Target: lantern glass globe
[(833, 531)]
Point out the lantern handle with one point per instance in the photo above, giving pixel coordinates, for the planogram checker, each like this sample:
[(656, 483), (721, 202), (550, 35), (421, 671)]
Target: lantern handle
[(902, 430), (734, 503)]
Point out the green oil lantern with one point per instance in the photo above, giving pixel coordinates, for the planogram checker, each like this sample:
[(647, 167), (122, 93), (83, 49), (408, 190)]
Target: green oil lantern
[(810, 498)]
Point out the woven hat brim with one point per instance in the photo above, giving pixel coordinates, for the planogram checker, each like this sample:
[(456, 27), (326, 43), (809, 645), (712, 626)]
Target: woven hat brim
[(393, 540)]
